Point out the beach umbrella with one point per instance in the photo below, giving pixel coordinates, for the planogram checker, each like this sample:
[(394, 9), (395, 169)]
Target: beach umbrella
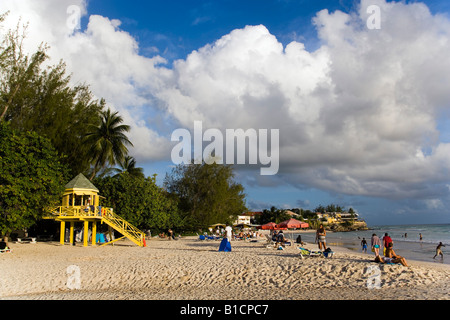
[(293, 224), (290, 224), (269, 226)]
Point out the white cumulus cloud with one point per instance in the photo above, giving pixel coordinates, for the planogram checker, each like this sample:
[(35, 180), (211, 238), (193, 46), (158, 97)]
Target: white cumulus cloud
[(358, 115)]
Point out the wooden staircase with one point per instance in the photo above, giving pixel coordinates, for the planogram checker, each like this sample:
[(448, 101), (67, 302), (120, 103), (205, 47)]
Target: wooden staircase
[(122, 226), (104, 215)]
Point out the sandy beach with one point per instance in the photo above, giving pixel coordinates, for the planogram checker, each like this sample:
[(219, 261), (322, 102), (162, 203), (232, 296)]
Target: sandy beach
[(190, 269)]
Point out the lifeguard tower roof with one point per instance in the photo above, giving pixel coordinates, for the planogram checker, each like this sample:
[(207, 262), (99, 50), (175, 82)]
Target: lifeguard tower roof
[(81, 182)]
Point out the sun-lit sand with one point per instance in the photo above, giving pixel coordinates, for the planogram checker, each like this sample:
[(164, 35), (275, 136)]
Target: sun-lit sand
[(190, 269)]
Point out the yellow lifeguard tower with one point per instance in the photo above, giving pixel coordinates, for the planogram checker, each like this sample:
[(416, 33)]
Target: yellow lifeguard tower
[(81, 203)]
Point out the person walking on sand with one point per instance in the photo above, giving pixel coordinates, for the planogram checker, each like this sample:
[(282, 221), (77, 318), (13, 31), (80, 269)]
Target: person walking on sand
[(320, 235), (439, 250), (375, 243)]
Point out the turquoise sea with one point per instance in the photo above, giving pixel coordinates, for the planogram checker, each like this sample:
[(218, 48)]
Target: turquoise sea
[(406, 240)]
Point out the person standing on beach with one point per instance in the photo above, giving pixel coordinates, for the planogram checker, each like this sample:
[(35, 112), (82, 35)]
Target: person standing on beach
[(320, 235), (439, 250), (386, 241), (229, 233), (375, 243)]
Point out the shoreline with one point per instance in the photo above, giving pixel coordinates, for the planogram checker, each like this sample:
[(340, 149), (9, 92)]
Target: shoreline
[(422, 251), (190, 269), (346, 248)]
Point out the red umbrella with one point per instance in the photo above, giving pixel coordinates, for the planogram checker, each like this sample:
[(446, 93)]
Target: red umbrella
[(269, 226), (304, 225), (293, 224)]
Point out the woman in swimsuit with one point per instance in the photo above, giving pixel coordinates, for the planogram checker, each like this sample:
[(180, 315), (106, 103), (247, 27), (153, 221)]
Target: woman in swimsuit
[(394, 258), (320, 234)]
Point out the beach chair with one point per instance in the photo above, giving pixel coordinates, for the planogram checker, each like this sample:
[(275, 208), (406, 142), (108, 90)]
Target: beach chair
[(6, 250), (308, 253), (26, 240)]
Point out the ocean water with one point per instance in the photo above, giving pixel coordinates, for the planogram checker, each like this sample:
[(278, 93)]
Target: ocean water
[(408, 246)]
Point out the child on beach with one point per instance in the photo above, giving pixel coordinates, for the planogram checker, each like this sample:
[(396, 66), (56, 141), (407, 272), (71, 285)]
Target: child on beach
[(364, 245)]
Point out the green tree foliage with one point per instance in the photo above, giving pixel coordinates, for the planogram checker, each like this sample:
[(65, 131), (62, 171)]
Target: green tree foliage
[(128, 165), (329, 208), (60, 120), (38, 98), (17, 69), (140, 201), (207, 194), (107, 141), (31, 178), (272, 215)]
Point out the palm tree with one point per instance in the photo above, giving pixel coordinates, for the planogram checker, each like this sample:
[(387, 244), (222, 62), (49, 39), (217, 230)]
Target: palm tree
[(107, 142), (128, 166)]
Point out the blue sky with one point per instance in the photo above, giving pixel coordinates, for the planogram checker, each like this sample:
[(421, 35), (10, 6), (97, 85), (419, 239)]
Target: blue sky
[(364, 115), (183, 26), (176, 28)]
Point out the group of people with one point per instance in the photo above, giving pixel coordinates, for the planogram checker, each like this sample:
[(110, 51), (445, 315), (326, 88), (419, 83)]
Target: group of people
[(280, 239), (389, 255), (170, 235), (388, 250), (247, 235)]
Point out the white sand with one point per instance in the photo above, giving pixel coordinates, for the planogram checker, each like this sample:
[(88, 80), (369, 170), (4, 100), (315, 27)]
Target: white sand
[(189, 269)]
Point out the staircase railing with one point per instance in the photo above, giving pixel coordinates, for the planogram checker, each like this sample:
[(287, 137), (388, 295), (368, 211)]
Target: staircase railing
[(123, 226), (107, 216)]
